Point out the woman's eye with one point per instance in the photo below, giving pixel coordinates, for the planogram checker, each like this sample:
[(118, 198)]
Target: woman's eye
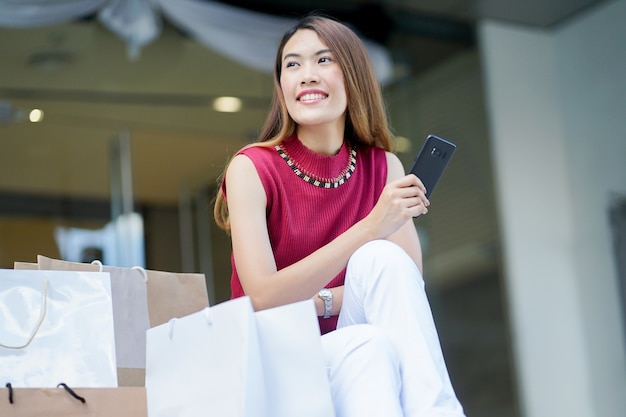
[(290, 64), (325, 59)]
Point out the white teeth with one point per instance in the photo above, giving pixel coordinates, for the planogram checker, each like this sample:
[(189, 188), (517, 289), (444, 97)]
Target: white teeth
[(308, 97)]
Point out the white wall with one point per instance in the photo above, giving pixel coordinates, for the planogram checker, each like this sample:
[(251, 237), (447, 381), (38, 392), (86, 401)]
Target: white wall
[(557, 104), (592, 86)]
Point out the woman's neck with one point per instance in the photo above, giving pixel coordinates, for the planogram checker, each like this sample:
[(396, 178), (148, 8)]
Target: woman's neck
[(325, 140)]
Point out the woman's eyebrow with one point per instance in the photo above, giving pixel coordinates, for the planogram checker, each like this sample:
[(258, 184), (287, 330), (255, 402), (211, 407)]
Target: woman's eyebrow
[(296, 55), (323, 51), (291, 55)]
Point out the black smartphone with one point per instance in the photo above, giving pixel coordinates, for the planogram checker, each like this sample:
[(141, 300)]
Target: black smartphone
[(432, 160)]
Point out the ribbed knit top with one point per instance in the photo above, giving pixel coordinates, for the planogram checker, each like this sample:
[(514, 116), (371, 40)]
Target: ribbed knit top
[(303, 217)]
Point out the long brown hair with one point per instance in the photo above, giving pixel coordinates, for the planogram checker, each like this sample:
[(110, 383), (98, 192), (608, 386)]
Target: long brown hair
[(366, 121)]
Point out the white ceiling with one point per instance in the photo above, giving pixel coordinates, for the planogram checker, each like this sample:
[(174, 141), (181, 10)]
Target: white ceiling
[(79, 74)]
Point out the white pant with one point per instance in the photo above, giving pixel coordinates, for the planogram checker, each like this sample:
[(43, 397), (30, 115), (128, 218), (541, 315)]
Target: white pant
[(385, 359)]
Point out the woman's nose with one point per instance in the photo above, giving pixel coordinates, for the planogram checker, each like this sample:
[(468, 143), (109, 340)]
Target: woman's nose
[(309, 75)]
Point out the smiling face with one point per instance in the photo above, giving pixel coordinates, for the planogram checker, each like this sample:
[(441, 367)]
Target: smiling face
[(311, 81)]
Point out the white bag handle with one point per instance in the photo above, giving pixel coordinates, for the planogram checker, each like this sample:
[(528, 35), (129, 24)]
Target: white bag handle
[(143, 272), (141, 269), (42, 315), (208, 316), (170, 328), (206, 313)]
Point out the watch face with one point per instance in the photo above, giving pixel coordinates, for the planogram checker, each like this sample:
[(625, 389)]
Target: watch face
[(325, 293)]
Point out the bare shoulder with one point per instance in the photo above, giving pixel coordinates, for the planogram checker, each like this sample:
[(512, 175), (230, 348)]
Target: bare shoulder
[(395, 169), (240, 164), (243, 182), (240, 171)]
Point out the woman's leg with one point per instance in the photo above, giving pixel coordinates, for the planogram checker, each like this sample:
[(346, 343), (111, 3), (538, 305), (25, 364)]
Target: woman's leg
[(363, 371), (384, 288)]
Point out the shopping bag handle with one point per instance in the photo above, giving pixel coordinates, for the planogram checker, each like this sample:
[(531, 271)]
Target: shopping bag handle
[(143, 272), (206, 313), (42, 315), (141, 269), (71, 392), (60, 385)]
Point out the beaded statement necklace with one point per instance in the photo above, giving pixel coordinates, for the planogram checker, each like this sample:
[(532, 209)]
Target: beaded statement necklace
[(314, 179)]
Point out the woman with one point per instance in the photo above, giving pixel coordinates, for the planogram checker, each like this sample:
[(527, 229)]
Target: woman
[(321, 208)]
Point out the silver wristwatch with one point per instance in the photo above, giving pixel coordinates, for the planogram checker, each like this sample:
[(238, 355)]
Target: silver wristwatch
[(327, 296)]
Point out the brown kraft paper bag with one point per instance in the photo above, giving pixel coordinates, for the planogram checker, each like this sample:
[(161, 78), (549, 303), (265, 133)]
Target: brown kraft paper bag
[(25, 265), (86, 402)]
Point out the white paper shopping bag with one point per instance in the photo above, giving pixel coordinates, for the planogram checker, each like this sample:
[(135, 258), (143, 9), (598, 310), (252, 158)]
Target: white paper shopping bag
[(296, 379), (141, 299), (56, 326), (206, 364), (130, 308)]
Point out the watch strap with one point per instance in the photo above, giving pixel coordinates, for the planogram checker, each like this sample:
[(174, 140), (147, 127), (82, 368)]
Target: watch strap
[(327, 296)]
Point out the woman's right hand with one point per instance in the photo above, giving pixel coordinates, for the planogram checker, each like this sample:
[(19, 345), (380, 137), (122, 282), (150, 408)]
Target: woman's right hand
[(400, 200)]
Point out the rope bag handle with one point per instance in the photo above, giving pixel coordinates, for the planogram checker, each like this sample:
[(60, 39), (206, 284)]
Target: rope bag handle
[(42, 315)]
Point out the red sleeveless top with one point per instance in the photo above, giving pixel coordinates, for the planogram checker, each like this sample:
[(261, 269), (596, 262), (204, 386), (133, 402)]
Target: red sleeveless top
[(302, 216)]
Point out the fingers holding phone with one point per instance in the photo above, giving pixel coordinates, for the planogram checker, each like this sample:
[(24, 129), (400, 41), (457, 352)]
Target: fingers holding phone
[(399, 201), (416, 193)]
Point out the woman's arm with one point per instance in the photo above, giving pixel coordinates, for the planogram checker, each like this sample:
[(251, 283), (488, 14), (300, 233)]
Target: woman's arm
[(400, 201), (406, 236)]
